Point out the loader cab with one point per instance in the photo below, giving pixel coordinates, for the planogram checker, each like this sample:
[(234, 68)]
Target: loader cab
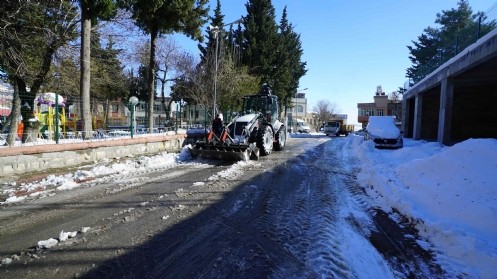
[(267, 105), (271, 112)]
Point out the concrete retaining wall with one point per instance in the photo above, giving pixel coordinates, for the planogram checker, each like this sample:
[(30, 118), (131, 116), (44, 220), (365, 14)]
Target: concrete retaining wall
[(31, 159)]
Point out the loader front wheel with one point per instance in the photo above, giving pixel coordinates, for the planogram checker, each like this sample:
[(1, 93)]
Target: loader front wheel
[(280, 142), (265, 140)]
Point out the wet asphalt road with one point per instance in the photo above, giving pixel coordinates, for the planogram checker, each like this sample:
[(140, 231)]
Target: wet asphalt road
[(278, 218)]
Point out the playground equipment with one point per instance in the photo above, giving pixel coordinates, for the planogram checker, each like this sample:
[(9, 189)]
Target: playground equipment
[(50, 110)]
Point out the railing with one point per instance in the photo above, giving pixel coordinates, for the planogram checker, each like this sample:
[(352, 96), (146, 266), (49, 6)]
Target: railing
[(60, 121), (464, 38), (101, 134)]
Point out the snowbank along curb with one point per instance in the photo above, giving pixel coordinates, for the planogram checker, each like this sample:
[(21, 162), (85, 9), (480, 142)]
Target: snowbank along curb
[(28, 159)]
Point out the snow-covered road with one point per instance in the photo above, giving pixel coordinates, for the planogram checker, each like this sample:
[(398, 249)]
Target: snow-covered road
[(315, 210)]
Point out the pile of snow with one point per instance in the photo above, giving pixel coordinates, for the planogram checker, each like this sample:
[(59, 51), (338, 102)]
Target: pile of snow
[(47, 244), (63, 236), (451, 191), (69, 181), (232, 172)]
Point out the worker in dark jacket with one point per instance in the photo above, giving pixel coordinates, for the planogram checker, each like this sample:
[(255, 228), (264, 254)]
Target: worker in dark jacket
[(217, 124)]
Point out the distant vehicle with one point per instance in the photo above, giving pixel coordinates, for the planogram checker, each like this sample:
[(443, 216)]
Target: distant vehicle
[(303, 127), (337, 127), (383, 132)]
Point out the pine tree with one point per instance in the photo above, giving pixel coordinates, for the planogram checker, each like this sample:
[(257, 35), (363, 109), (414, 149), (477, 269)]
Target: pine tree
[(217, 20), (458, 29), (137, 84), (273, 56), (260, 39), (108, 78), (289, 67), (424, 53), (61, 79), (208, 56)]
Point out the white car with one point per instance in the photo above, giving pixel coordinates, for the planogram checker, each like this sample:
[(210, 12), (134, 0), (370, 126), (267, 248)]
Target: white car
[(383, 132), (303, 127)]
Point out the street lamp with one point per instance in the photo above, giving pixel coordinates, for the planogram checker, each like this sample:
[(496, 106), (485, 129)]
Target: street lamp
[(215, 30), (133, 101)]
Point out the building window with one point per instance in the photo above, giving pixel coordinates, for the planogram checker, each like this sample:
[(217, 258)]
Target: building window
[(159, 108), (366, 112), (140, 121), (114, 108), (379, 112), (193, 114), (300, 109), (140, 107)]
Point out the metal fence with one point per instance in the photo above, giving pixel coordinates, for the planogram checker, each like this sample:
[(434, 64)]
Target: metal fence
[(59, 119)]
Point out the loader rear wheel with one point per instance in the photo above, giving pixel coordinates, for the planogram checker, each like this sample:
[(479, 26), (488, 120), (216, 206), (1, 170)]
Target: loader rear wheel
[(265, 140), (280, 139)]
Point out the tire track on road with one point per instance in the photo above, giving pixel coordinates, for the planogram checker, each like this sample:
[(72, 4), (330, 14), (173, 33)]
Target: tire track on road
[(304, 222)]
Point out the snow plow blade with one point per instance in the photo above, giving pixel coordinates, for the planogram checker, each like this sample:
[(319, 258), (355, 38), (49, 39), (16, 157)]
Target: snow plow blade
[(230, 153)]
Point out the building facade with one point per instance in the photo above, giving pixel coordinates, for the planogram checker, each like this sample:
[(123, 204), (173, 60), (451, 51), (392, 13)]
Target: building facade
[(298, 108), (382, 106), (6, 94)]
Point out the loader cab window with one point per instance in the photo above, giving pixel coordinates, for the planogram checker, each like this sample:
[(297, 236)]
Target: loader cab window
[(273, 107), (252, 105), (265, 105)]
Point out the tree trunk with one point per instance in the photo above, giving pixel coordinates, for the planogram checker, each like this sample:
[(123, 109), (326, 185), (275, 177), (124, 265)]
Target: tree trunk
[(163, 85), (14, 117), (151, 80), (85, 74), (106, 113)]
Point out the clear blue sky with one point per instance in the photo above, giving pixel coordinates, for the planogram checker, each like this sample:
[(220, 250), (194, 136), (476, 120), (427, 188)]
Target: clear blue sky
[(351, 46)]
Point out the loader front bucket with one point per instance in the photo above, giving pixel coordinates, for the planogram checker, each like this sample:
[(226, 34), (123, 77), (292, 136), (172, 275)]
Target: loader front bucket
[(231, 153)]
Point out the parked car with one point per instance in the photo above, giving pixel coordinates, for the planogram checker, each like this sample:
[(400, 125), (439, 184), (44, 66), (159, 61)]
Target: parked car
[(383, 132), (303, 127)]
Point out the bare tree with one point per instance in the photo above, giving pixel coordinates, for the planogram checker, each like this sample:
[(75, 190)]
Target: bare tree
[(192, 81), (166, 56), (125, 34), (325, 110), (395, 99)]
